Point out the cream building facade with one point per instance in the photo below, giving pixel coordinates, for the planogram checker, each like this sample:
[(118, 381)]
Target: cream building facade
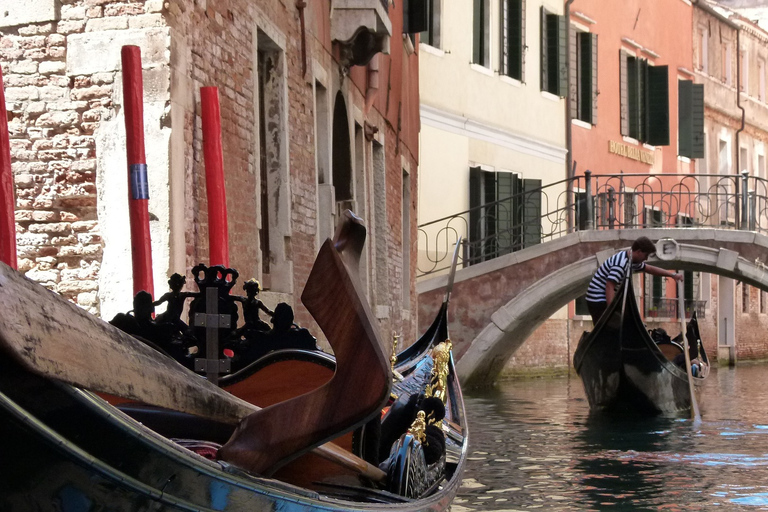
[(486, 115)]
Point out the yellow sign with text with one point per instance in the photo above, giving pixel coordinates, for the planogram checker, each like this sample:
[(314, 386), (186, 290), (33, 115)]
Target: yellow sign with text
[(619, 148)]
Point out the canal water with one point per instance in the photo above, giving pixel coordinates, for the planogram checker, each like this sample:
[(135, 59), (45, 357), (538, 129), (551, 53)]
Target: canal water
[(534, 445)]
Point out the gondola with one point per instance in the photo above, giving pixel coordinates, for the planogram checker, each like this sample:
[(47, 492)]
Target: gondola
[(205, 449), (625, 370)]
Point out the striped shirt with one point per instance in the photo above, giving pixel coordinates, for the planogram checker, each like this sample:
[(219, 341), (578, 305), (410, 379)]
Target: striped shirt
[(613, 269)]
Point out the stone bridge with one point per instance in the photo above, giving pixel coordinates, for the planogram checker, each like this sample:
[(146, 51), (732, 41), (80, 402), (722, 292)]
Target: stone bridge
[(497, 304)]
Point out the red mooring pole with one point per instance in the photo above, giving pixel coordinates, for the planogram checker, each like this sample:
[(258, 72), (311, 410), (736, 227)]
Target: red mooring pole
[(218, 235), (7, 199), (138, 186)]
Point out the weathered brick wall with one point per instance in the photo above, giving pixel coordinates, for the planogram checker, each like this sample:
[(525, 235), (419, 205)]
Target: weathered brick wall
[(55, 116)]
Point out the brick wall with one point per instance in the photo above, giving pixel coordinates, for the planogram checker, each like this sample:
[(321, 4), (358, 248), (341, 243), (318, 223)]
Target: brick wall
[(58, 119)]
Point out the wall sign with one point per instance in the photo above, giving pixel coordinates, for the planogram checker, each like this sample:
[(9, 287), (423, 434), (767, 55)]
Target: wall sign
[(619, 148)]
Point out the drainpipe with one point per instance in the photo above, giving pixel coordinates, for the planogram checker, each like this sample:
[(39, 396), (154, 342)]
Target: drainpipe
[(738, 132), (301, 5), (373, 82), (570, 170)]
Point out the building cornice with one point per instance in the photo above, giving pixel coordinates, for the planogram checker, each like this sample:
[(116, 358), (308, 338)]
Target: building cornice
[(461, 125)]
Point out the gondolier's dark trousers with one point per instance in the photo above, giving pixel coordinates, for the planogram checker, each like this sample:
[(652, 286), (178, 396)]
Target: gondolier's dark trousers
[(596, 309)]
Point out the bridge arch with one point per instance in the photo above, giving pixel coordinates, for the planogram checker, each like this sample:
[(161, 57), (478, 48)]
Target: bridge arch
[(739, 255)]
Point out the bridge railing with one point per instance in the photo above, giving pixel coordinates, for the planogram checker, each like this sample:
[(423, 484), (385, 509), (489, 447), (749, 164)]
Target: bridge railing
[(593, 201)]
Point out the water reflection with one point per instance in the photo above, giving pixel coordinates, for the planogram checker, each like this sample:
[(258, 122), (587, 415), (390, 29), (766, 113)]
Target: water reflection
[(534, 445)]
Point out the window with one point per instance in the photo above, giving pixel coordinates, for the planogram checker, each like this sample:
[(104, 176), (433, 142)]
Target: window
[(761, 166), (582, 213), (654, 284), (513, 38), (744, 298), (726, 70), (553, 71), (743, 160), (505, 213), (704, 50), (630, 209), (583, 86), (744, 68), (689, 278), (644, 100), (431, 35), (690, 111), (481, 33), (272, 119), (761, 80)]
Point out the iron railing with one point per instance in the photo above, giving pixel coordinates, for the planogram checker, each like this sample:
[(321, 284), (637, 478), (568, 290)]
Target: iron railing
[(668, 308), (594, 201)]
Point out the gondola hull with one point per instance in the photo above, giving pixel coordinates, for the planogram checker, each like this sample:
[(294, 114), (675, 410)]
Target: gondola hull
[(66, 449), (623, 369)]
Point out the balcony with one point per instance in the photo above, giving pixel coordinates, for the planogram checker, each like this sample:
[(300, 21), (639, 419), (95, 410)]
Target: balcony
[(362, 28)]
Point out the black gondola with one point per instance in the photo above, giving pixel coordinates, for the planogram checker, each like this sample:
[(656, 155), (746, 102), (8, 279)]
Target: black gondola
[(624, 369), (72, 450)]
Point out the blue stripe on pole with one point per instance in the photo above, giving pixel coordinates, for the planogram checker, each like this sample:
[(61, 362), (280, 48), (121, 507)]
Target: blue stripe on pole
[(139, 184)]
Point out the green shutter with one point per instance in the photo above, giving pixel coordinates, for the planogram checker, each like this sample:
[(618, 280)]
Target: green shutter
[(478, 38), (585, 89), (544, 51), (522, 40), (475, 212), (697, 117), (562, 57), (505, 39), (633, 88), (531, 209), (624, 85), (504, 212), (684, 120), (658, 106), (594, 91), (573, 84)]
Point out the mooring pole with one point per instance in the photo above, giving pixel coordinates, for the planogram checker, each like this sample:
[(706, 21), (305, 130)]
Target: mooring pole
[(218, 235), (138, 185), (7, 199)]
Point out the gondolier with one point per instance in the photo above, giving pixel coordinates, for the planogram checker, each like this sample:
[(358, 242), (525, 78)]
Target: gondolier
[(613, 271)]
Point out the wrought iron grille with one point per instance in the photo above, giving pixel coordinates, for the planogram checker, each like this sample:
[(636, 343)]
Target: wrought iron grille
[(603, 201)]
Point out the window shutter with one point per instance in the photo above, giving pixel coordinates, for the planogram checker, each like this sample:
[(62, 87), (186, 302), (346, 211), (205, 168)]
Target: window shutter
[(697, 118), (594, 90), (415, 16), (522, 40), (531, 212), (585, 85), (573, 85), (505, 191), (658, 106), (516, 39), (475, 212), (544, 51), (684, 119), (562, 48), (478, 24), (624, 85), (504, 37)]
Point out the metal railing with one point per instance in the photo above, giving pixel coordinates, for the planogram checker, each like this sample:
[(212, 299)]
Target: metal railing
[(668, 308), (594, 201)]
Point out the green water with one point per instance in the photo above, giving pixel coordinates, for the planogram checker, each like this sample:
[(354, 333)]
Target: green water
[(534, 446)]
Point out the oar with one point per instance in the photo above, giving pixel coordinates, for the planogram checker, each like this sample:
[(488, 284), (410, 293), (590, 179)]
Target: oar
[(52, 337), (695, 416)]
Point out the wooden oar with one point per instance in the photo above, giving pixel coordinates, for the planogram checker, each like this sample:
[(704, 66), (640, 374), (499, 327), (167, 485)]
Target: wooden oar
[(52, 337), (695, 416), (273, 436)]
